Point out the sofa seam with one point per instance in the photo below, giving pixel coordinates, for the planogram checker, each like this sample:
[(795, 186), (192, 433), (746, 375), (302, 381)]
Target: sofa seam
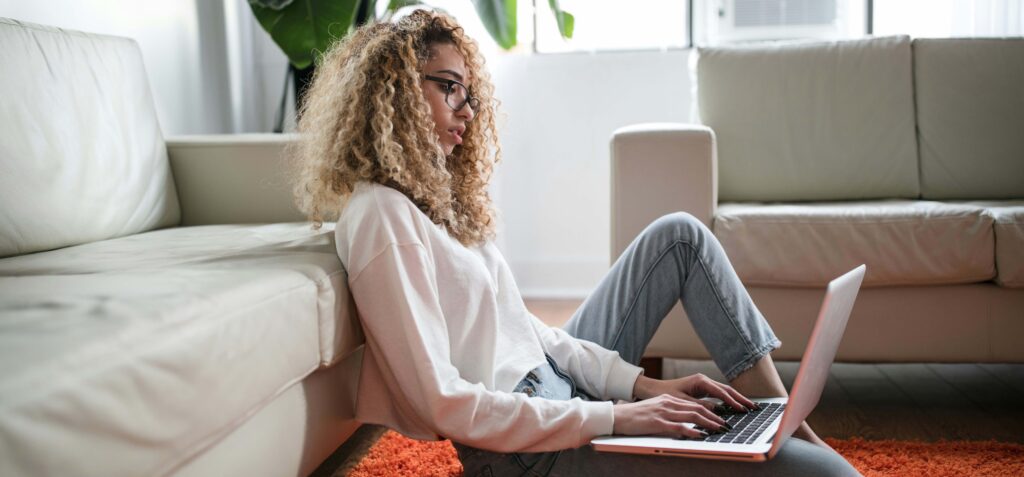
[(912, 45), (26, 25), (852, 221), (326, 280)]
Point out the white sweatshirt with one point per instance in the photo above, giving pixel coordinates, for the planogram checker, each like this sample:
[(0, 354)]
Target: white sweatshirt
[(448, 338)]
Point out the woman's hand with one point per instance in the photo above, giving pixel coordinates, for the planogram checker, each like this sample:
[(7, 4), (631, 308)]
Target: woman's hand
[(692, 388), (665, 415)]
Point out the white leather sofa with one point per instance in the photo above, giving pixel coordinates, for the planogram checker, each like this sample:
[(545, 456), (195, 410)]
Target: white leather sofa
[(163, 311), (815, 157)]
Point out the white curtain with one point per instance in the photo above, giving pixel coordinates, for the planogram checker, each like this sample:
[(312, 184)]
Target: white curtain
[(987, 18), (256, 70), (949, 18)]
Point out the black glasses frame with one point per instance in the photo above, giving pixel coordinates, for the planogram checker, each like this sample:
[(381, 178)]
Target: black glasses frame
[(474, 102)]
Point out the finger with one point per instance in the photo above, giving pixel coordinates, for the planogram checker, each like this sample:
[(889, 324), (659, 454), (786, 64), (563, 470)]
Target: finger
[(688, 398), (710, 415), (709, 422), (719, 391), (728, 395), (679, 429), (705, 409), (740, 398), (718, 420)]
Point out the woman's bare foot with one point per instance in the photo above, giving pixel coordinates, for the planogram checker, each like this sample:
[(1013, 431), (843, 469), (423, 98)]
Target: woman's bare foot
[(762, 380), (804, 432)]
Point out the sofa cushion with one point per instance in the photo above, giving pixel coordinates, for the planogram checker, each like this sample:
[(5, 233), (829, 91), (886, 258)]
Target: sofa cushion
[(1009, 243), (970, 117), (151, 347), (1009, 231), (811, 121), (82, 155), (902, 242)]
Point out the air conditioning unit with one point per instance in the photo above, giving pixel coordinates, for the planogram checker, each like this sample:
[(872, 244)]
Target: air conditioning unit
[(734, 21)]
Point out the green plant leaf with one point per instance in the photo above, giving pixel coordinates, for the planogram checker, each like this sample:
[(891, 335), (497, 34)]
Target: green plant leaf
[(565, 20), (303, 29), (275, 4), (396, 4), (499, 18)]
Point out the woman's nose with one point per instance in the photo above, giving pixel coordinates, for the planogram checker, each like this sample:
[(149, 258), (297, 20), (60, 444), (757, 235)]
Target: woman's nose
[(466, 113)]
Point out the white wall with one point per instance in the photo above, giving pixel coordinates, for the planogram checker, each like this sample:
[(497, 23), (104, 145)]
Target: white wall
[(553, 188), (214, 70)]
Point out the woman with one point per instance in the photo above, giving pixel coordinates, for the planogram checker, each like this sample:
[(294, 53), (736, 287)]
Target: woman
[(399, 139)]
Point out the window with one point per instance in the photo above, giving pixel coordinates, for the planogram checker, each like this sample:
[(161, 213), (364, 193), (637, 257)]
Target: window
[(948, 18), (603, 25), (735, 21), (614, 25)]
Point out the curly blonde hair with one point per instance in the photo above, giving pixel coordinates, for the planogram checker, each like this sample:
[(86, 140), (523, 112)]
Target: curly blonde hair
[(365, 119)]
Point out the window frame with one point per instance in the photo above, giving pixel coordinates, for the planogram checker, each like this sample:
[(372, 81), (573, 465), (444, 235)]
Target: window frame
[(686, 46), (868, 30)]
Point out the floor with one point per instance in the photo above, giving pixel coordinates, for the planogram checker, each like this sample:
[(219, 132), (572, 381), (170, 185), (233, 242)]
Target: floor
[(913, 401)]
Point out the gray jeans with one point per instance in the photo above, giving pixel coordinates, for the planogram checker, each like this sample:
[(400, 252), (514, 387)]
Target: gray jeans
[(675, 258)]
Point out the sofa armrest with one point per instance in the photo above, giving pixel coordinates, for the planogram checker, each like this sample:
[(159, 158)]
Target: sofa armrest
[(233, 178), (657, 169)]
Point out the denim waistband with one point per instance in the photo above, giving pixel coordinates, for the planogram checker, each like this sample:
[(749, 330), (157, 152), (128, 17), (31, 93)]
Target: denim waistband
[(546, 381), (549, 382)]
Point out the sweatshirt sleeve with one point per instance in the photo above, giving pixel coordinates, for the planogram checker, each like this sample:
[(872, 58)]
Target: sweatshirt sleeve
[(398, 303), (598, 370)]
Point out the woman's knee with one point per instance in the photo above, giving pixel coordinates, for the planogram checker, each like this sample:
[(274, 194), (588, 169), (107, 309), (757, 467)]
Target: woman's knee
[(799, 457), (678, 226)]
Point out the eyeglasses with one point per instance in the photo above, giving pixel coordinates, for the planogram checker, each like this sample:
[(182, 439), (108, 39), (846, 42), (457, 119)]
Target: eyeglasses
[(456, 95)]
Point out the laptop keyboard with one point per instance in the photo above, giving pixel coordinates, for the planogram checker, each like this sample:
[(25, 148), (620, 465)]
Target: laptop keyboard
[(747, 427)]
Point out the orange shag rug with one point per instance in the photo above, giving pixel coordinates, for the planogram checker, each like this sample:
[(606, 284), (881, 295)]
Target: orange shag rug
[(395, 455)]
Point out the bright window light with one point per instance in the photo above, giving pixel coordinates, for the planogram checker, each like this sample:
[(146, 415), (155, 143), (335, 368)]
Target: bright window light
[(719, 22), (949, 18), (614, 25)]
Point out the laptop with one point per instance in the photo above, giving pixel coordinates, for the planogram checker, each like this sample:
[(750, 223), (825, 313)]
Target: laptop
[(758, 435)]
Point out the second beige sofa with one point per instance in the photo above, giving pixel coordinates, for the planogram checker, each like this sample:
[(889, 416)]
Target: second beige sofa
[(815, 157)]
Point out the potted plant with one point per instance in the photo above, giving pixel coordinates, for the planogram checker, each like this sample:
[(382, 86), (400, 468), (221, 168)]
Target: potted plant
[(305, 28)]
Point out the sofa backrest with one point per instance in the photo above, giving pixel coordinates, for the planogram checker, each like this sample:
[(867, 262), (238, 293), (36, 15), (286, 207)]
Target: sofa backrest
[(970, 117), (811, 120), (82, 157)]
